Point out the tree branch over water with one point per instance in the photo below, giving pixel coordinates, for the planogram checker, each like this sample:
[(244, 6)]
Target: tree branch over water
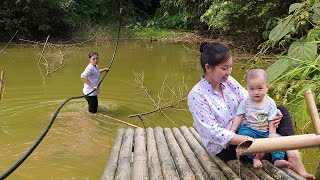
[(178, 96)]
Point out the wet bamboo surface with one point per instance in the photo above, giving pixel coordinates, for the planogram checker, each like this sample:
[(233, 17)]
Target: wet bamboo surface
[(177, 153)]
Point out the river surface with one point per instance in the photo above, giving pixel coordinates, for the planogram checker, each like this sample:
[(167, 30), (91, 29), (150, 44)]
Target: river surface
[(78, 143)]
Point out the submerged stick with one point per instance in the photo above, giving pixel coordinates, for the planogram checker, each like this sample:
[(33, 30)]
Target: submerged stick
[(123, 122)]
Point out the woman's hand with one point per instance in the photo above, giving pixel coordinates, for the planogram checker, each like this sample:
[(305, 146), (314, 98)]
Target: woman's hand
[(276, 119)]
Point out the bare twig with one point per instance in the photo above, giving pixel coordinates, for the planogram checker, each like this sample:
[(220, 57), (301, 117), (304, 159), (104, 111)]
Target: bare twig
[(149, 112), (139, 81), (59, 45), (44, 46), (9, 41)]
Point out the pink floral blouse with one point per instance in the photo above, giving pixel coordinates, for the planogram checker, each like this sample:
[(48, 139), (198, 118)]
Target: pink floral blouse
[(213, 113)]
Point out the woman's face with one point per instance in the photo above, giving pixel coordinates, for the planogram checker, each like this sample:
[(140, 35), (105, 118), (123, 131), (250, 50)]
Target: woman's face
[(220, 72), (94, 60)]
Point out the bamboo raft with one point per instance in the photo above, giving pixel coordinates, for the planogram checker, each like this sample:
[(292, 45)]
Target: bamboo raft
[(177, 154)]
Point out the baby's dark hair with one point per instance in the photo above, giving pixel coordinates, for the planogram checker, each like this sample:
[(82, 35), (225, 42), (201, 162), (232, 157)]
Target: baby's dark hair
[(257, 72), (213, 53), (93, 53)]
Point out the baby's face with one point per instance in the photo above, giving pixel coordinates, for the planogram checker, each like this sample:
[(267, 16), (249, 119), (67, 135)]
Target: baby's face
[(257, 88)]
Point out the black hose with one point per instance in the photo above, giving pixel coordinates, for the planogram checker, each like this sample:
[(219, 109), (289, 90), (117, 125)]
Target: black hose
[(34, 146)]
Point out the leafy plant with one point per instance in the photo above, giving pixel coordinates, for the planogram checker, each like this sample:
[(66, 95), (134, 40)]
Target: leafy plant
[(298, 67)]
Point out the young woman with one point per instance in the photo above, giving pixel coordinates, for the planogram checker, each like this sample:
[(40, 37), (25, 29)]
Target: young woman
[(213, 102), (90, 77)]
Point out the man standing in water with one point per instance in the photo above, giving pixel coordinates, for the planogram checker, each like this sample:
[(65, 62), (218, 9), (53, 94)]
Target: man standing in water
[(90, 76)]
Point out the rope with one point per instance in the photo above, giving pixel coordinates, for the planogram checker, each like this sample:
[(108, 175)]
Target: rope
[(37, 142)]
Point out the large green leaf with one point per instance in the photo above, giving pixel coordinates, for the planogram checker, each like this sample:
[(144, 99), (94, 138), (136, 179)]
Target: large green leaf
[(284, 26), (303, 50), (295, 6), (299, 111), (278, 68), (316, 15)]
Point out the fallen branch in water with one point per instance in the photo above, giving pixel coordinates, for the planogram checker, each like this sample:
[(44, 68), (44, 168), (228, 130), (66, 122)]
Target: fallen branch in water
[(179, 97)]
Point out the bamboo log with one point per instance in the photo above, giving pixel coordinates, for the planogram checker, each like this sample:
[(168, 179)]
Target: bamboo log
[(283, 143), (194, 163), (313, 110), (260, 173), (112, 165), (245, 173), (124, 162), (153, 159), (292, 174), (167, 165), (211, 168), (273, 171), (224, 168), (182, 166), (139, 169)]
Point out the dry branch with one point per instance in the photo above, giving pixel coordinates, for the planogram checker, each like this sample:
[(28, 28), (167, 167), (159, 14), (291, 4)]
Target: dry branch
[(179, 97), (9, 41)]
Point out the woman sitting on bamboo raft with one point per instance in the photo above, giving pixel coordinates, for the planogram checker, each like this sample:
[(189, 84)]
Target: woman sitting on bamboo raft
[(213, 102)]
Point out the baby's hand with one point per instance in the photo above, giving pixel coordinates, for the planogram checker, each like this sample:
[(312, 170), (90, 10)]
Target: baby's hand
[(273, 135)]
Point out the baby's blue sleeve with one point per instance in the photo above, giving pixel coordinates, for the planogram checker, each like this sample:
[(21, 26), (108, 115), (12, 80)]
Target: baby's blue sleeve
[(273, 110), (241, 109)]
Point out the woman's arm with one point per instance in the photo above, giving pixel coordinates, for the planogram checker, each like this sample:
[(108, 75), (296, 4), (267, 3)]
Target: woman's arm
[(86, 80), (237, 139), (104, 69)]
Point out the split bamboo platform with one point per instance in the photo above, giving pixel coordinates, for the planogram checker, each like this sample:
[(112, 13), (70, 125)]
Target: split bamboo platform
[(174, 154)]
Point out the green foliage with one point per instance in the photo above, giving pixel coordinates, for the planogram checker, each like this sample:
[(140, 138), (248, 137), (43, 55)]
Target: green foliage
[(182, 14), (298, 68), (36, 18), (243, 16)]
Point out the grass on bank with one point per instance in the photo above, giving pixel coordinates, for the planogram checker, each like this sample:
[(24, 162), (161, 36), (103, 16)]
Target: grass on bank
[(136, 31)]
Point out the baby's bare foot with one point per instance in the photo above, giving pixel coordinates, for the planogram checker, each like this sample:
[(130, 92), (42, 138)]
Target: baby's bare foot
[(281, 163), (257, 163)]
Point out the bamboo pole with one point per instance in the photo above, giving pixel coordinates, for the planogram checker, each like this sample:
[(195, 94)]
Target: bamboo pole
[(183, 168), (245, 173), (139, 168), (224, 168), (154, 166), (273, 171), (194, 163), (111, 168), (206, 162), (313, 110), (123, 122), (124, 161), (283, 143), (167, 164)]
